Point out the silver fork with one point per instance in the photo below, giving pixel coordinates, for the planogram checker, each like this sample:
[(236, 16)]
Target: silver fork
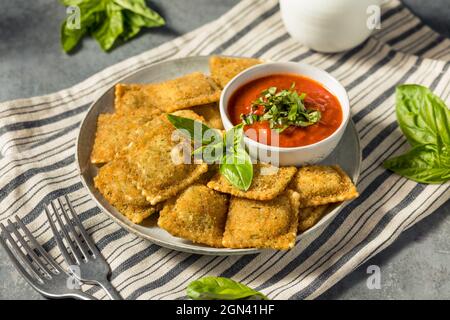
[(40, 271), (93, 268)]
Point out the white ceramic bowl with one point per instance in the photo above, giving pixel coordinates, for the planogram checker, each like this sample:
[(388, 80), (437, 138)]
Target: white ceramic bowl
[(295, 156), (330, 26)]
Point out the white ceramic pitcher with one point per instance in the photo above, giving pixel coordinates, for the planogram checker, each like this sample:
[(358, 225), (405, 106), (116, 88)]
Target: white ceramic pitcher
[(330, 25)]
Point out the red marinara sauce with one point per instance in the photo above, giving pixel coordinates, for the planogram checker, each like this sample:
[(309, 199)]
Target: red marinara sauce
[(317, 97)]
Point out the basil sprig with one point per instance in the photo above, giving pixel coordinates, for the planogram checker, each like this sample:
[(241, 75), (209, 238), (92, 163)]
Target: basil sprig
[(195, 130), (282, 109), (234, 162), (425, 121), (237, 167), (107, 21), (220, 288)]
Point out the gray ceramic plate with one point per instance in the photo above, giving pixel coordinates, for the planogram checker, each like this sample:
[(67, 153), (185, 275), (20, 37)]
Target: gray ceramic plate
[(347, 155)]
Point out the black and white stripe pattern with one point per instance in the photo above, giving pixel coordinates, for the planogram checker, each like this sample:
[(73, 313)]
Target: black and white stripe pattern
[(37, 138)]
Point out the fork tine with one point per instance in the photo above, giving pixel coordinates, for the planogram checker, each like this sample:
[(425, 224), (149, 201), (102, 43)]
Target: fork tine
[(28, 249), (20, 253), (75, 251), (54, 288), (58, 239), (83, 232), (32, 281), (36, 245), (82, 246)]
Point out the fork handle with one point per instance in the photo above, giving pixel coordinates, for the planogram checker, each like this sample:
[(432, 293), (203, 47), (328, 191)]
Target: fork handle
[(110, 290), (83, 296)]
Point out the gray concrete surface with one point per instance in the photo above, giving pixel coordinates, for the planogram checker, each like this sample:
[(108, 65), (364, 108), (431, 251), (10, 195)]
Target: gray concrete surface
[(416, 266)]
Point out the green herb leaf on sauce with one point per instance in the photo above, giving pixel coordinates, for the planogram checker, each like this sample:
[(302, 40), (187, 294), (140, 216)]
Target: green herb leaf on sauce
[(220, 288), (281, 109), (425, 121)]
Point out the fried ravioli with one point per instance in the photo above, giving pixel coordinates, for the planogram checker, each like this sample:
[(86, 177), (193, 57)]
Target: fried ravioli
[(267, 183), (199, 215), (135, 214), (114, 132), (213, 169), (113, 183), (309, 216), (167, 96), (262, 224), (223, 69), (157, 165), (319, 185), (211, 114), (134, 99), (190, 90)]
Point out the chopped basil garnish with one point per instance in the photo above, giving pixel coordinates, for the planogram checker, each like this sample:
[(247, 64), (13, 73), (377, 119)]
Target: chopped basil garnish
[(281, 109)]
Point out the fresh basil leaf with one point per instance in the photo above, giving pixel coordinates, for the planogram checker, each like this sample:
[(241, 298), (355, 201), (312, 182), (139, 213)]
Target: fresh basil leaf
[(238, 135), (233, 138), (236, 164), (237, 168), (132, 24), (196, 130), (150, 17), (91, 12), (210, 153), (422, 163), (425, 121), (135, 22), (220, 288), (111, 28), (70, 37), (73, 2), (423, 117), (108, 20)]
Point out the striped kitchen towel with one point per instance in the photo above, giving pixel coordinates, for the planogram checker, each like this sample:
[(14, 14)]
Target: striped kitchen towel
[(37, 142)]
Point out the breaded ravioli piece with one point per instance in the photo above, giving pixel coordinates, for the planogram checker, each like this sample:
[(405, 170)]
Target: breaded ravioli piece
[(308, 217), (198, 215), (213, 169), (187, 114), (262, 224), (319, 185), (211, 114), (268, 182), (113, 183), (223, 69), (158, 166), (181, 93), (135, 214), (114, 132), (134, 99)]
